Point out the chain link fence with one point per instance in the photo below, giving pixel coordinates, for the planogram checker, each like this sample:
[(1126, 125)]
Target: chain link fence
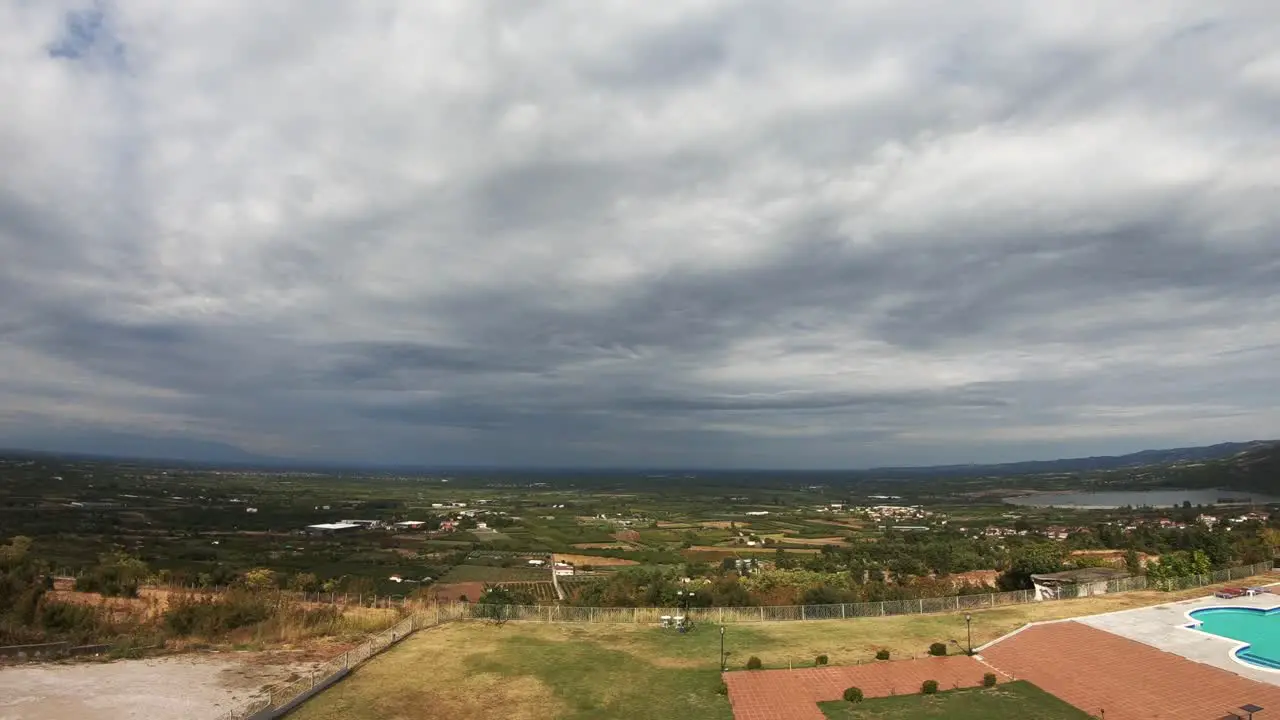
[(284, 697), (783, 613)]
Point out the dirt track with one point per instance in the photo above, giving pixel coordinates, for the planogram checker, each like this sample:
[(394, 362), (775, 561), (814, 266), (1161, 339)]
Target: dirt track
[(184, 687)]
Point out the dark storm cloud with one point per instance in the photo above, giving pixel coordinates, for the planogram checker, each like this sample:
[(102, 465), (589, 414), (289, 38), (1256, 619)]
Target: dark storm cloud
[(708, 235)]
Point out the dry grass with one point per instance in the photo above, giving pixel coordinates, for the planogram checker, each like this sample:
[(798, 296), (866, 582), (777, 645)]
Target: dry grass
[(480, 671), (430, 676)]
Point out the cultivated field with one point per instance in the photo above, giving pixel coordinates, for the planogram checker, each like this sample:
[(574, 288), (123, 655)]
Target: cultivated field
[(595, 560)]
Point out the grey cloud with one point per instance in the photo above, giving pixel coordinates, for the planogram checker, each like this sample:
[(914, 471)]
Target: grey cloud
[(735, 234)]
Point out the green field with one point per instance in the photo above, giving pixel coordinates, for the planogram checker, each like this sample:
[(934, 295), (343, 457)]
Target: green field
[(1020, 700)]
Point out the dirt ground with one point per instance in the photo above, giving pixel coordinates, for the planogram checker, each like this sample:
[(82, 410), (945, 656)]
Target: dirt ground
[(182, 687)]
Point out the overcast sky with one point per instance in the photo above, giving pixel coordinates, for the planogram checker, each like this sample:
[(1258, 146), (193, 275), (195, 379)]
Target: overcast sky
[(681, 233)]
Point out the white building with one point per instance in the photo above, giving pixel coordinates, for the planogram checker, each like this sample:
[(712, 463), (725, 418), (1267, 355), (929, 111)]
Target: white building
[(562, 569)]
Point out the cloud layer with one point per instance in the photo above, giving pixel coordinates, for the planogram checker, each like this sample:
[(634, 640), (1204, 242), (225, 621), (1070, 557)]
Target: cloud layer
[(695, 233)]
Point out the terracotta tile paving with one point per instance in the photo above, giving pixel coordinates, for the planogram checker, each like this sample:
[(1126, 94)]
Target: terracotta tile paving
[(1096, 670), (795, 694)]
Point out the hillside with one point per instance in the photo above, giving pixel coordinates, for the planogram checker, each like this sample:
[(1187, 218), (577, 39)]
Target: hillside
[(1144, 458), (1256, 468)]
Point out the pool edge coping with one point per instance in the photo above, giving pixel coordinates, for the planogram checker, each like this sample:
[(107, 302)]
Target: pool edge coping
[(1232, 653)]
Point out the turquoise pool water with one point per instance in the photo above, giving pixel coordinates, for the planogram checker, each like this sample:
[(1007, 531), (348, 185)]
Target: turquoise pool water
[(1259, 628)]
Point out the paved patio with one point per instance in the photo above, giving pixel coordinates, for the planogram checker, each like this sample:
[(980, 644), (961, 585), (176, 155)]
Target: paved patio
[(795, 694), (1164, 628), (1097, 670)]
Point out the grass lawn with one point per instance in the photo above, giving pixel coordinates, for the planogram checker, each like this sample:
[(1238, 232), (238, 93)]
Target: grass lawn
[(1020, 700), (530, 671)]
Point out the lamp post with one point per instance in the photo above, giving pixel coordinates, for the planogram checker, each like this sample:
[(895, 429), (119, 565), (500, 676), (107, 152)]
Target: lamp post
[(968, 626), (722, 668)]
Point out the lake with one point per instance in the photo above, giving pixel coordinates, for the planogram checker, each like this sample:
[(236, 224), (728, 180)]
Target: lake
[(1109, 500)]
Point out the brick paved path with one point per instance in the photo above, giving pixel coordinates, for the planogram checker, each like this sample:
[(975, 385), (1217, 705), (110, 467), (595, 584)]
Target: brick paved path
[(795, 694), (1096, 670)]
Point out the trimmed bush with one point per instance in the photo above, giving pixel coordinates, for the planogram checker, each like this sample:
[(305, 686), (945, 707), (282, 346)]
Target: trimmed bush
[(853, 695), (820, 660), (989, 680), (722, 688), (882, 654), (753, 663), (938, 649), (929, 687)]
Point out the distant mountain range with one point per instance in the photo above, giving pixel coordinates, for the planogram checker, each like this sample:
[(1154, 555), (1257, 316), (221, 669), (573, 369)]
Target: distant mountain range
[(1253, 465), (1255, 468), (1144, 458)]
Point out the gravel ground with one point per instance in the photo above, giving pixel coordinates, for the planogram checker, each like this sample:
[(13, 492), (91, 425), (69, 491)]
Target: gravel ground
[(183, 687)]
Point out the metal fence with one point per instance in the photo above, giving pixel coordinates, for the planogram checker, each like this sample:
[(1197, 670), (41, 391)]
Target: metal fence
[(782, 613), (284, 695)]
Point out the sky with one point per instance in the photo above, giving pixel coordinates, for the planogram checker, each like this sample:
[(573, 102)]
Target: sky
[(694, 233)]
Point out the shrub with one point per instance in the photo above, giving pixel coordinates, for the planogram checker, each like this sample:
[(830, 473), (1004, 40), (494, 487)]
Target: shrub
[(853, 695), (70, 620), (722, 688), (989, 680), (929, 687), (753, 663), (209, 618), (882, 654), (938, 649), (820, 660)]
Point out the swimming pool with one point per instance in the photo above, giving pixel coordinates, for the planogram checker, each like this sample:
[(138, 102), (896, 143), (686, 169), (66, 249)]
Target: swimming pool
[(1259, 629)]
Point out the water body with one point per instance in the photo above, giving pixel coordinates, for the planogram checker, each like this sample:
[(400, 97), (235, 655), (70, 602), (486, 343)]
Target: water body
[(1110, 500)]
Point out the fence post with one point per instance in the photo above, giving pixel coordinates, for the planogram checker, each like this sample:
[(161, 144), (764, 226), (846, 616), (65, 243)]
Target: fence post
[(842, 606), (921, 606), (761, 613), (721, 610), (881, 608)]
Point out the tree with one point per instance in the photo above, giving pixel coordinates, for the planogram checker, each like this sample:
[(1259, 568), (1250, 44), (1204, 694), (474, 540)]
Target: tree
[(22, 586), (1031, 560), (117, 574), (258, 580), (495, 603), (1132, 562), (304, 582)]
